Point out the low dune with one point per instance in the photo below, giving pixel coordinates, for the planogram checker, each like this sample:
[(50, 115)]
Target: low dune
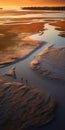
[(50, 63), (22, 106), (60, 25)]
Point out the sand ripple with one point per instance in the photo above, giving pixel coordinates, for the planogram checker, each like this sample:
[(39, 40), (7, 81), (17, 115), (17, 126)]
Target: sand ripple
[(22, 107)]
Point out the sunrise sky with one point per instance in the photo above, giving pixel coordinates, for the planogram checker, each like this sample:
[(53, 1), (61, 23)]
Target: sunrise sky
[(32, 2)]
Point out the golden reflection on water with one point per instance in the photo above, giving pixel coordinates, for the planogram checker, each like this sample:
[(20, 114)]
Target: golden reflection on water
[(14, 37)]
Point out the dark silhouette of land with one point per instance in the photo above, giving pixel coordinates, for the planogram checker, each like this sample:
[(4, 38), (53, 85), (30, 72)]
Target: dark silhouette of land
[(1, 8), (43, 8)]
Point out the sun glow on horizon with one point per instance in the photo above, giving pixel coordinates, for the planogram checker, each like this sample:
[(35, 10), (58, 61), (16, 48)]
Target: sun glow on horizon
[(16, 3)]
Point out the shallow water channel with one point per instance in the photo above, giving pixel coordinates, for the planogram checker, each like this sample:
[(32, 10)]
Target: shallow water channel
[(55, 88)]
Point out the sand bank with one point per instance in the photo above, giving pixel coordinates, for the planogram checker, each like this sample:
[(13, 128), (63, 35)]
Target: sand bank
[(15, 52), (15, 42), (50, 63), (22, 106)]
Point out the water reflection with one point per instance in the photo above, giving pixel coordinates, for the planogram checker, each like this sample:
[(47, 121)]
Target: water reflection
[(11, 38), (50, 35), (16, 33)]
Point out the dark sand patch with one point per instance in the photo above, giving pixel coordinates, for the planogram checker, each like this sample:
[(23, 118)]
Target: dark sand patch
[(60, 26), (22, 107), (50, 63)]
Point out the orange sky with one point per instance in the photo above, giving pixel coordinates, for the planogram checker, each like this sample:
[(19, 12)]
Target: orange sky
[(32, 2)]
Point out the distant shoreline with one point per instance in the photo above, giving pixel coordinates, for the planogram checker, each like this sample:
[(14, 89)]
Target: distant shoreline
[(44, 8)]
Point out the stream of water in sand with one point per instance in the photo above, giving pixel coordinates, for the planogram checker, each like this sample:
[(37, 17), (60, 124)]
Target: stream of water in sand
[(56, 89)]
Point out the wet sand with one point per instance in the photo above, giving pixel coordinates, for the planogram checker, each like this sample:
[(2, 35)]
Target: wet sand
[(60, 25), (20, 12), (15, 42), (19, 51), (50, 63), (23, 106)]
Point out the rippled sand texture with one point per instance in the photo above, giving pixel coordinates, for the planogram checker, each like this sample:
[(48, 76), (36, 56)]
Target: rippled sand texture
[(15, 42), (60, 26), (22, 107), (51, 63)]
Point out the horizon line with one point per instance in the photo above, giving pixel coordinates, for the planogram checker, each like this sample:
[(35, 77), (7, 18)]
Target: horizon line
[(32, 6)]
